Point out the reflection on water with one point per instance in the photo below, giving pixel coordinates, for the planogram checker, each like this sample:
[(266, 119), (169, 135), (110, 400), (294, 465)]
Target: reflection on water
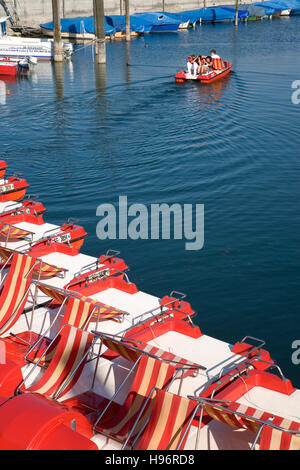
[(7, 86), (58, 68), (100, 77), (127, 61), (2, 92)]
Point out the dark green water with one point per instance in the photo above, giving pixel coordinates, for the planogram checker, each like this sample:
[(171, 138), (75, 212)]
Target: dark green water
[(83, 136)]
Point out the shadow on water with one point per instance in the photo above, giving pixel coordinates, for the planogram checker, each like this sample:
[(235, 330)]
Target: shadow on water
[(127, 62), (58, 69)]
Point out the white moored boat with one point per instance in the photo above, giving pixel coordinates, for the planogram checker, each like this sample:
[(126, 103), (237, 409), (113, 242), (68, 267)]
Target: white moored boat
[(19, 47)]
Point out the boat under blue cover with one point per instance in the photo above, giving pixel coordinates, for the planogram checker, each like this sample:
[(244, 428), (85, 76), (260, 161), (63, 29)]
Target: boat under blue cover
[(207, 15), (79, 25), (144, 22), (242, 14), (270, 7)]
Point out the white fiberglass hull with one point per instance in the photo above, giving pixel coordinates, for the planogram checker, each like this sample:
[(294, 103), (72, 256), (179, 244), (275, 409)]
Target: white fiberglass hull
[(42, 49)]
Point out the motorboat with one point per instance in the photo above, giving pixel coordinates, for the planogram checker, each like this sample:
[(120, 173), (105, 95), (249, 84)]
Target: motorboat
[(211, 76), (22, 48)]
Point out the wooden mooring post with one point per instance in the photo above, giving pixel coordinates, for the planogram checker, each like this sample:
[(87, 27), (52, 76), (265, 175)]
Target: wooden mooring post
[(58, 45), (127, 15), (236, 20), (100, 31)]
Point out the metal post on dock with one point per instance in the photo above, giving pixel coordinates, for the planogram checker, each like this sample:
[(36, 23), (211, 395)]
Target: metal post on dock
[(58, 45), (236, 20), (121, 7), (163, 5), (100, 31), (127, 14)]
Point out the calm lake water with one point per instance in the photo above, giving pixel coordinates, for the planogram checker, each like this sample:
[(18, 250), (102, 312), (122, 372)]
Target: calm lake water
[(83, 135)]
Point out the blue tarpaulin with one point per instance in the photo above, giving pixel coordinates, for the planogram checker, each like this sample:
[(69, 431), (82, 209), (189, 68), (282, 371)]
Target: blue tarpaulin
[(211, 14), (216, 14), (254, 10), (79, 25), (190, 15), (144, 22), (242, 14), (270, 7)]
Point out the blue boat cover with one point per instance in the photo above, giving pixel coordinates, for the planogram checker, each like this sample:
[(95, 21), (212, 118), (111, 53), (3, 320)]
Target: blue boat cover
[(216, 14), (141, 22), (210, 14), (241, 13), (254, 10), (270, 7), (79, 25), (177, 16)]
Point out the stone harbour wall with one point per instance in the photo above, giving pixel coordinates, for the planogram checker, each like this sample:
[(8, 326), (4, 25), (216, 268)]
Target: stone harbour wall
[(34, 12)]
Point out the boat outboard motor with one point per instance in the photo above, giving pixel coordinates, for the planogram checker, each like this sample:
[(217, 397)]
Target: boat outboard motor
[(23, 66), (68, 49)]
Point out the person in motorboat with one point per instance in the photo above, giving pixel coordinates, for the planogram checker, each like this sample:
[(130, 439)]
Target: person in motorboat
[(214, 55), (204, 65), (192, 65)]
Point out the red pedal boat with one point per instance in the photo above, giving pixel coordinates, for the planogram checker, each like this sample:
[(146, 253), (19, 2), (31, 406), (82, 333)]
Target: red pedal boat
[(13, 188), (30, 206), (210, 77)]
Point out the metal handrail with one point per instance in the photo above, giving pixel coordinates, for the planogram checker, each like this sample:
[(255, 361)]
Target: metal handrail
[(243, 415), (67, 293), (116, 392), (39, 260), (29, 233), (110, 254), (159, 307), (46, 332), (104, 268), (60, 389), (247, 365), (16, 309), (6, 262), (142, 410), (94, 263), (254, 348), (74, 283), (62, 386), (31, 197), (188, 427), (17, 391), (73, 220), (146, 353), (56, 229)]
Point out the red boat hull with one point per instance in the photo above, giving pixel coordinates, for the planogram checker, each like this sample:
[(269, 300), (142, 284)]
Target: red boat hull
[(8, 67), (14, 189), (3, 167)]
